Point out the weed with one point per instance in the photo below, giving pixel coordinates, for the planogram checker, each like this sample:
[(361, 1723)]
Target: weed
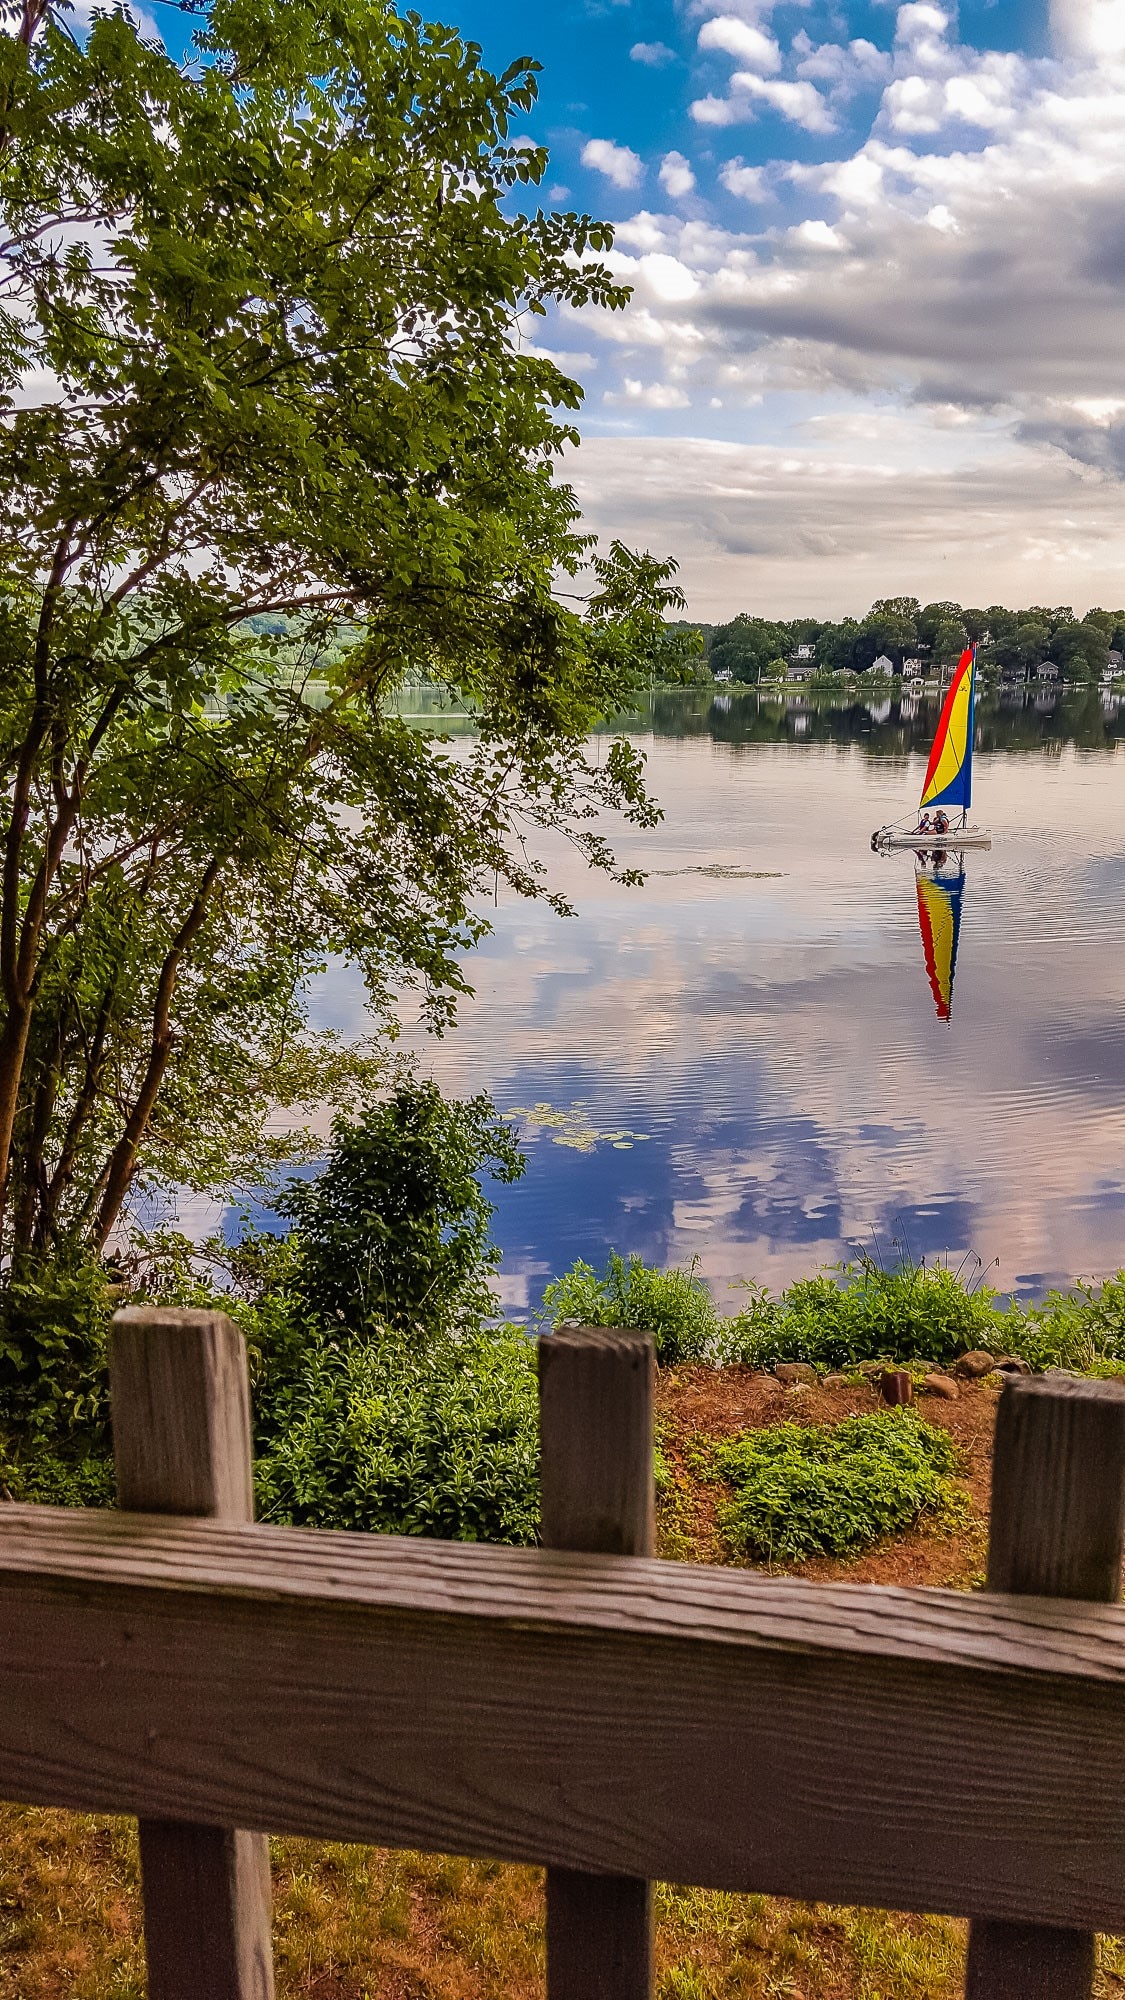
[(819, 1489)]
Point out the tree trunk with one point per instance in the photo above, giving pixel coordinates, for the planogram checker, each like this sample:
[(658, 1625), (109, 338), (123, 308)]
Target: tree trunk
[(123, 1160)]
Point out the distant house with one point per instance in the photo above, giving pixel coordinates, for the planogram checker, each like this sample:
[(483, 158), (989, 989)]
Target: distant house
[(801, 670), (805, 653), (724, 674), (1046, 671), (912, 666), (882, 665)]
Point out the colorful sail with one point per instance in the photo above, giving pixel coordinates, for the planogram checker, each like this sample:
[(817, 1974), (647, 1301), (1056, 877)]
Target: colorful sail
[(949, 774), (939, 919)]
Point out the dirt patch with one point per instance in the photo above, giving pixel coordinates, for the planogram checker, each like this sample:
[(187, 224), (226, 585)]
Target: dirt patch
[(718, 1401)]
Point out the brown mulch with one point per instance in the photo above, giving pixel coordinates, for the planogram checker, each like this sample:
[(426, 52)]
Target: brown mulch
[(717, 1401)]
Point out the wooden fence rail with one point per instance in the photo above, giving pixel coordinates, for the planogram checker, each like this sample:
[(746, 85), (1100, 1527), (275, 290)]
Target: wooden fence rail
[(605, 1714)]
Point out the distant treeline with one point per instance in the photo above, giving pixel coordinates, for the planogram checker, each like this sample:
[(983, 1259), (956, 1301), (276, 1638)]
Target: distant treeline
[(900, 628)]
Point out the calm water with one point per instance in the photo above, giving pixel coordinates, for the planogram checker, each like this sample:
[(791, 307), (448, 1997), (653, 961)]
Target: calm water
[(747, 1068)]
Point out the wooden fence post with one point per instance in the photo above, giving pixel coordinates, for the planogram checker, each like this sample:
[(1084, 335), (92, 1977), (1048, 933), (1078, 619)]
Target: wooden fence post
[(596, 1483), (181, 1432), (1057, 1528)]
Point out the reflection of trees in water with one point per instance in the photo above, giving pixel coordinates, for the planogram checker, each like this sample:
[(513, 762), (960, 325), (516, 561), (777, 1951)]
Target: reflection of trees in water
[(1083, 716)]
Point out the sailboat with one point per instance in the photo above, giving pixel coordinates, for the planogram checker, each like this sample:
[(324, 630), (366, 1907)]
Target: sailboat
[(949, 773), (939, 920)]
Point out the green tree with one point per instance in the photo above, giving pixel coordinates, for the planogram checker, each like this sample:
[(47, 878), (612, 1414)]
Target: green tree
[(745, 646), (394, 1231), (290, 449)]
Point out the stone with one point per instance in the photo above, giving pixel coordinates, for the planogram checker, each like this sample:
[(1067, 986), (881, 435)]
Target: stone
[(791, 1373), (834, 1382), (1013, 1364), (871, 1368), (941, 1385), (975, 1364)]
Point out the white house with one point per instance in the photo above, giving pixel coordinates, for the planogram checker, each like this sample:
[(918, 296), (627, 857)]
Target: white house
[(805, 653), (882, 665)]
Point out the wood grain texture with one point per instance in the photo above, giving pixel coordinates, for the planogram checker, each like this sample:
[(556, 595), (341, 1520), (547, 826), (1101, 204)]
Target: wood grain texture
[(599, 1936), (618, 1715), (180, 1395), (595, 1441), (1057, 1530), (597, 1494), (181, 1414)]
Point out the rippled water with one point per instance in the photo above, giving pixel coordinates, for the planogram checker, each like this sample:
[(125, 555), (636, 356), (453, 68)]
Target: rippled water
[(747, 1067)]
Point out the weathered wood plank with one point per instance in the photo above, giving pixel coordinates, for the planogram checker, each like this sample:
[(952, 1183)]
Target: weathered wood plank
[(618, 1715), (598, 1494), (1057, 1529), (180, 1396)]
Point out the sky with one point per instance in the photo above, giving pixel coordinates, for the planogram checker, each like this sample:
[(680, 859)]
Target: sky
[(877, 342)]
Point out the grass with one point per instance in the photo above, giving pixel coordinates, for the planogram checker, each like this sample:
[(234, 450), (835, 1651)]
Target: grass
[(355, 1923)]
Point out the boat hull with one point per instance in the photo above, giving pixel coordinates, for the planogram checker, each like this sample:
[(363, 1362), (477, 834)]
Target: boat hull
[(946, 843)]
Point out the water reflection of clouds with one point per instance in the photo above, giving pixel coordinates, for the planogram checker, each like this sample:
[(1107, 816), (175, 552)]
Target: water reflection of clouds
[(777, 1037)]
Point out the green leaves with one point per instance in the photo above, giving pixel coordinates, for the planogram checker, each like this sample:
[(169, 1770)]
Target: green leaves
[(831, 1489), (274, 301)]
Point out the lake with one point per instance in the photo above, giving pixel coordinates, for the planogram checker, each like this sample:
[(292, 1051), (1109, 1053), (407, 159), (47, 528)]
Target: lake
[(742, 1063)]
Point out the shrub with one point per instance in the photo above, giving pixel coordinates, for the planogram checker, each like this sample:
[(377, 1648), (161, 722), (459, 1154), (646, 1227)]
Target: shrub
[(674, 1306), (374, 1435), (861, 1312), (819, 1489), (54, 1384), (394, 1231)]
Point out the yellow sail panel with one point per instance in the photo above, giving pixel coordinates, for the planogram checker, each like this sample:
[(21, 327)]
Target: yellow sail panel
[(939, 919), (949, 772)]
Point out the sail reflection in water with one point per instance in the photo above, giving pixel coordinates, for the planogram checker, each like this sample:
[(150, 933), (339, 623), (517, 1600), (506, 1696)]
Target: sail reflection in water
[(940, 888)]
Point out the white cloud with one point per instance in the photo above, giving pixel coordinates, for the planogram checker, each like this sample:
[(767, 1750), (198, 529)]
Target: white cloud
[(676, 176), (742, 39), (817, 235), (619, 164), (653, 54), (845, 67), (799, 102), (648, 395), (1088, 27), (747, 182), (819, 530), (955, 279)]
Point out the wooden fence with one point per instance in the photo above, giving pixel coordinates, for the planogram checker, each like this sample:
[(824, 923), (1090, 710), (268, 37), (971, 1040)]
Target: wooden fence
[(580, 1705)]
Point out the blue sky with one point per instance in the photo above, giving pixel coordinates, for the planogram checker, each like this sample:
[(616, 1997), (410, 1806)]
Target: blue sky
[(878, 257), (876, 343)]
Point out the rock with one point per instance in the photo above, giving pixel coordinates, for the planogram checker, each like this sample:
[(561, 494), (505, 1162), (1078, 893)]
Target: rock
[(791, 1373), (975, 1364), (941, 1385), (871, 1368), (896, 1386), (834, 1382), (1013, 1364)]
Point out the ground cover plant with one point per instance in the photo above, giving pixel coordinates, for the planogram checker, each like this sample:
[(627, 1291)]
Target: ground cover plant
[(828, 1489), (845, 1314)]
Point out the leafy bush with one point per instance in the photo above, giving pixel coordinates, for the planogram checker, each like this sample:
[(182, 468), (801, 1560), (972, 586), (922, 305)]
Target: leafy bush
[(820, 1489), (674, 1306), (394, 1232), (54, 1384), (862, 1313), (374, 1435)]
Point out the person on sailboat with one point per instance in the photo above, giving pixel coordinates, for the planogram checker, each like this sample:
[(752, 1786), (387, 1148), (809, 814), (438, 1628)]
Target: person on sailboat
[(941, 821), (924, 824)]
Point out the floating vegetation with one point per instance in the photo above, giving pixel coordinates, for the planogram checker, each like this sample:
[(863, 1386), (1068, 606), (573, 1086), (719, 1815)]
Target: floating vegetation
[(573, 1127), (722, 871)]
